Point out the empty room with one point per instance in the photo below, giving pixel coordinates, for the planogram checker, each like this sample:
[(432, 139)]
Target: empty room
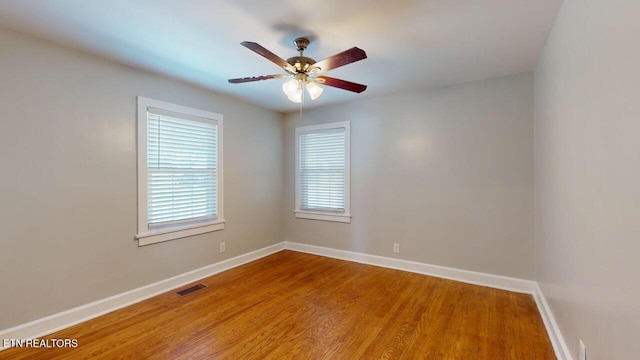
[(412, 179)]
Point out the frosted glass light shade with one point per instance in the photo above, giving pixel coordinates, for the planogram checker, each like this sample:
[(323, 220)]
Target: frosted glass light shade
[(296, 97), (314, 90), (291, 87)]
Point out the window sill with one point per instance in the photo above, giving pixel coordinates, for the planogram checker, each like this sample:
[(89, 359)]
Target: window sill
[(167, 234), (343, 218)]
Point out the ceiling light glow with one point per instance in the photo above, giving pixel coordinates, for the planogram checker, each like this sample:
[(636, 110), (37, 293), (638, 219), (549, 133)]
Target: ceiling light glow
[(314, 90), (293, 89)]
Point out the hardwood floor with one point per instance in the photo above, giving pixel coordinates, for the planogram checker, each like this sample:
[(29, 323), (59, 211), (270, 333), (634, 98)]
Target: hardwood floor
[(298, 306)]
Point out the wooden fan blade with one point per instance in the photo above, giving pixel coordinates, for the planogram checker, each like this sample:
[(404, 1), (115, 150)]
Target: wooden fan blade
[(258, 49), (342, 84), (255, 78), (346, 57)]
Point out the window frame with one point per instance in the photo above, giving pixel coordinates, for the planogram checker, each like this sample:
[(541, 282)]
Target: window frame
[(335, 216), (147, 235)]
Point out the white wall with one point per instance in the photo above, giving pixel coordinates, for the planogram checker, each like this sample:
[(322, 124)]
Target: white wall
[(587, 176), (68, 184), (447, 173)]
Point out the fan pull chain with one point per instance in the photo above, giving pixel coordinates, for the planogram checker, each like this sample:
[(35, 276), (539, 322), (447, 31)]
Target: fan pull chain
[(301, 104)]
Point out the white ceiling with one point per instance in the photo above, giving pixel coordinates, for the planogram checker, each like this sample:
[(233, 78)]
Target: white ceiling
[(411, 44)]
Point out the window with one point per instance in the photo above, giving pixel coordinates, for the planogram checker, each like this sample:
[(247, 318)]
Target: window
[(322, 172), (179, 171)]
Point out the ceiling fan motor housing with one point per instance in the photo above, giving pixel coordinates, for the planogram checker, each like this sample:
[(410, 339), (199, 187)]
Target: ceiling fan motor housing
[(301, 63)]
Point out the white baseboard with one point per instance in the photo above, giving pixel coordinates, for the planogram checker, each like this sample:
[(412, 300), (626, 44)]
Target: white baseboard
[(59, 321), (557, 340), (495, 281), (471, 277)]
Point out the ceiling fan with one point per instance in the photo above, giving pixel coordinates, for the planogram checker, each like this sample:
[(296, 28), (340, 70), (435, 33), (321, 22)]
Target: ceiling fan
[(305, 71)]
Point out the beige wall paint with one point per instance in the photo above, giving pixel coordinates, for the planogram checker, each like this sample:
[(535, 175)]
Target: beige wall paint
[(448, 174), (587, 124), (68, 184)]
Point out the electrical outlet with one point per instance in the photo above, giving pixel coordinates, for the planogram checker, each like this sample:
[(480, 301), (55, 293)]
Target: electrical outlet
[(583, 351), (223, 247), (396, 248)]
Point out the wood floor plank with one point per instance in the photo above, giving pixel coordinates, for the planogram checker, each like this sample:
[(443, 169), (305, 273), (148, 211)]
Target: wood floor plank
[(299, 306)]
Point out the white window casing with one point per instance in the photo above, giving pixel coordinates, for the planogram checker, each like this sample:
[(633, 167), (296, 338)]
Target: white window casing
[(180, 187), (323, 172)]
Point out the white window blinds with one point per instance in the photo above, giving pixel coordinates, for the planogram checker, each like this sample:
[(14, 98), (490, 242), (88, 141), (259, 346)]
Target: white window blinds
[(322, 170), (182, 168)]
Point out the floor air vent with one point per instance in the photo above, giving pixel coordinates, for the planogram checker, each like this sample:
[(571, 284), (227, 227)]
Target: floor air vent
[(188, 291)]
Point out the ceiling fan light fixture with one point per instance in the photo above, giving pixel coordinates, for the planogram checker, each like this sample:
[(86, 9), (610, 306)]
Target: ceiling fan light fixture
[(304, 71), (296, 98), (291, 87), (314, 90)]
